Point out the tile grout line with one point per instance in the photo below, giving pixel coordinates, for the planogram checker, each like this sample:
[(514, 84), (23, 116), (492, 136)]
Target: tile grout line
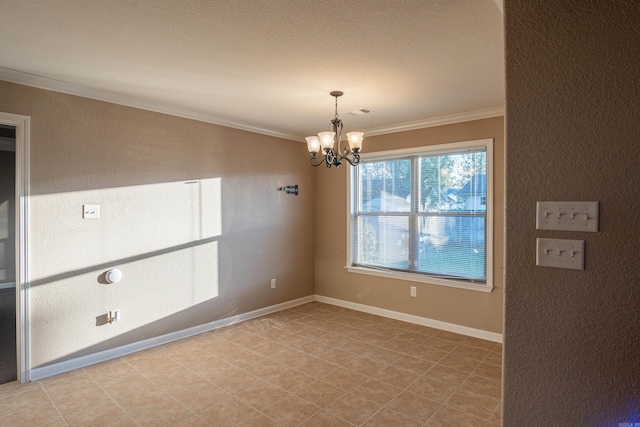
[(53, 403), (153, 384), (108, 394)]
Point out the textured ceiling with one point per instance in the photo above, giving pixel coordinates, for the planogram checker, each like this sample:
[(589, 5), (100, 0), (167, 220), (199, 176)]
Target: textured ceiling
[(265, 65)]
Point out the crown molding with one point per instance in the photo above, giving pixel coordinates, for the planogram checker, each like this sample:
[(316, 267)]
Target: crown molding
[(41, 82), (450, 119)]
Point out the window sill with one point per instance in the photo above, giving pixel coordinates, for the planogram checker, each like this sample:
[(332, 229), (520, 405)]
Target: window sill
[(488, 287)]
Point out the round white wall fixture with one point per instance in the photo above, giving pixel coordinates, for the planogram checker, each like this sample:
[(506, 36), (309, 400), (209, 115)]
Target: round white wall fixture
[(113, 275)]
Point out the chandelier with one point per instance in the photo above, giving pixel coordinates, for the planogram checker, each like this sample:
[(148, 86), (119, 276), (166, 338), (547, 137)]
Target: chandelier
[(329, 142)]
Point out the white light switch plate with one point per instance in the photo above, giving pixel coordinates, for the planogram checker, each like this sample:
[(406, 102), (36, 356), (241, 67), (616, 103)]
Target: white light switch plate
[(567, 216), (90, 211), (560, 253)]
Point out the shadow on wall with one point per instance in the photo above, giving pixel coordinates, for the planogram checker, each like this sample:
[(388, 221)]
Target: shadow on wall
[(155, 328), (164, 185), (163, 237), (118, 263), (181, 268)]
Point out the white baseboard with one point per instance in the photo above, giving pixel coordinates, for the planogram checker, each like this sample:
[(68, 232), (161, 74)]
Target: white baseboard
[(450, 327), (103, 356)]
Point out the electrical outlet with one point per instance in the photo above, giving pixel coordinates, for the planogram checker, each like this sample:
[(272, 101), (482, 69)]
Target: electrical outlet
[(273, 283), (413, 291), (560, 253)]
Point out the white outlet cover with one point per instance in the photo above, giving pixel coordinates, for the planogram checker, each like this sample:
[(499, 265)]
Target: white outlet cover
[(567, 216), (560, 253)]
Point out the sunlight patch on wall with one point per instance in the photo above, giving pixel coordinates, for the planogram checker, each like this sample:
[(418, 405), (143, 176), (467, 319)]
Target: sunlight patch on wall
[(164, 239), (134, 221)]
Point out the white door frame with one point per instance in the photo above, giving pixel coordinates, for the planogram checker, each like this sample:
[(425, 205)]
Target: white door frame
[(21, 124)]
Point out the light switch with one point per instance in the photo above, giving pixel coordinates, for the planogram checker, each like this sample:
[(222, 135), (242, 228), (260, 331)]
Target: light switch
[(90, 211), (567, 216), (560, 253)]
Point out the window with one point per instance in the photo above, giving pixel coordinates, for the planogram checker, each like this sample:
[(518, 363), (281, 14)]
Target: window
[(424, 215)]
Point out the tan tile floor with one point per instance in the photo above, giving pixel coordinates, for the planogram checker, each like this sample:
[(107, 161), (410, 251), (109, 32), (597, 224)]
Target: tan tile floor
[(312, 365)]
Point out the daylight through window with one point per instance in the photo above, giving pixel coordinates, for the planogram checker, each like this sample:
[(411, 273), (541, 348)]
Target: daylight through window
[(424, 212)]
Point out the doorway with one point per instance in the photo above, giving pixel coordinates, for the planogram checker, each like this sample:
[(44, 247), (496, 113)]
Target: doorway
[(8, 353), (17, 129)]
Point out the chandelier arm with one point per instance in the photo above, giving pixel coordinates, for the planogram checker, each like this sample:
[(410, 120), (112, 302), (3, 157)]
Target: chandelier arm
[(355, 161), (318, 163)]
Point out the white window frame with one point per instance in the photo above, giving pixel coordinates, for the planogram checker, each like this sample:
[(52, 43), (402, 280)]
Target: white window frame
[(416, 277)]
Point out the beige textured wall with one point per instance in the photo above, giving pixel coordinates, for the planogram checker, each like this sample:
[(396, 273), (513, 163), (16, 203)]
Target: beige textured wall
[(572, 338), (458, 306), (189, 212)]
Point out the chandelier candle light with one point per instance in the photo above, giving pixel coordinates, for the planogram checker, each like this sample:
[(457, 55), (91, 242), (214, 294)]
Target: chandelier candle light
[(330, 143)]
